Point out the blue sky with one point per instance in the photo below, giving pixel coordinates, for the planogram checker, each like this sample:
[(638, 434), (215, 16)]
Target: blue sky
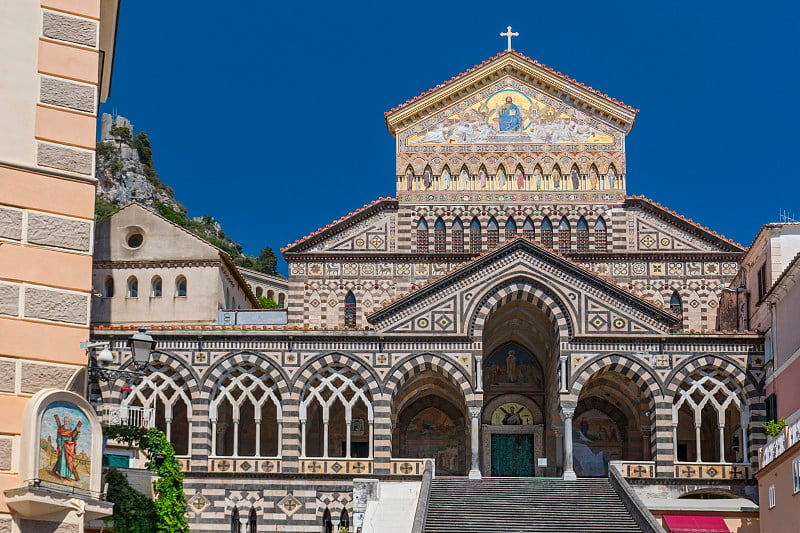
[(269, 115)]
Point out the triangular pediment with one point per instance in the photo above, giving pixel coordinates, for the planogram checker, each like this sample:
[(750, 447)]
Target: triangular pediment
[(369, 229), (555, 93), (592, 305)]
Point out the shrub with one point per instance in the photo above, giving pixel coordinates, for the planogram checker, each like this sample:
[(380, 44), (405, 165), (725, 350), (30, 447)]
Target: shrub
[(773, 428)]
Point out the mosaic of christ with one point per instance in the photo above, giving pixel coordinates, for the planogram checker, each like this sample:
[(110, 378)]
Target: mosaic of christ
[(510, 116)]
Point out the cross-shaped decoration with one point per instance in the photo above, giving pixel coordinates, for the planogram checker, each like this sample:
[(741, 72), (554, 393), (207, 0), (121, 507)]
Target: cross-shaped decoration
[(224, 466), (406, 468), (688, 472), (359, 467), (509, 34), (640, 471)]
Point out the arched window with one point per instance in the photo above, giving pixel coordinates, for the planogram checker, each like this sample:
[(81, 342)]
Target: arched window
[(600, 235), (282, 300), (133, 287), (236, 525), (350, 310), (162, 399), (156, 287), (245, 414), (564, 236), (344, 519), (528, 230), (327, 522), (108, 288), (458, 236), (422, 236), (439, 236), (492, 234), (252, 521), (336, 415), (259, 291), (676, 306), (582, 235), (511, 229), (475, 236), (180, 286), (547, 232)]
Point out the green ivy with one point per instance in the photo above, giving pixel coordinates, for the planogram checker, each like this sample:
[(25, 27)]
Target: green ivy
[(133, 511), (170, 503)]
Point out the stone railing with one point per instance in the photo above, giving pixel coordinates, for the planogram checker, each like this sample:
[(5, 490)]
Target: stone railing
[(635, 506), (245, 465), (779, 444), (408, 467), (344, 467), (637, 469), (131, 415), (421, 512), (713, 471)]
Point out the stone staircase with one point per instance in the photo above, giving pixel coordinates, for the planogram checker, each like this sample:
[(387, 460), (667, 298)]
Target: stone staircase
[(526, 505)]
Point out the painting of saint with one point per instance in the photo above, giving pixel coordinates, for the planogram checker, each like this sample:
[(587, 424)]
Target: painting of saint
[(501, 178), (537, 177), (482, 177), (512, 367), (464, 177), (520, 179), (512, 414), (445, 179), (593, 180), (409, 179), (65, 446), (509, 116), (556, 178), (575, 177), (612, 178), (426, 178)]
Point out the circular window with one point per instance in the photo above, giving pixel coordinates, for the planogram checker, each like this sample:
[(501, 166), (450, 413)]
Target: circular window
[(135, 240)]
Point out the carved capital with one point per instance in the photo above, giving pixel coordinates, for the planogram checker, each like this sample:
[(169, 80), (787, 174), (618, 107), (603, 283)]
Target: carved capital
[(475, 411), (567, 413)]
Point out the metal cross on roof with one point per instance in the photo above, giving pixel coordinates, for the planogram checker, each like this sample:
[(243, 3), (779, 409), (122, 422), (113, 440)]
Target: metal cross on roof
[(509, 34)]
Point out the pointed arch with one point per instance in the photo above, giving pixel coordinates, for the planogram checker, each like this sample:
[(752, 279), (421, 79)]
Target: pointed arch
[(349, 310), (600, 235), (676, 306), (475, 236), (611, 177), (502, 178), (644, 376), (564, 236), (528, 230), (582, 236), (457, 235), (547, 232), (511, 228), (594, 178), (439, 236), (252, 521), (236, 525), (556, 177), (492, 234), (422, 235)]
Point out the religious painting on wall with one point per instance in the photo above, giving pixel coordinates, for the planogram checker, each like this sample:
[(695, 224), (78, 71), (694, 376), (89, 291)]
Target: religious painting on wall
[(65, 446), (597, 440), (431, 433), (512, 367), (512, 414), (509, 115)]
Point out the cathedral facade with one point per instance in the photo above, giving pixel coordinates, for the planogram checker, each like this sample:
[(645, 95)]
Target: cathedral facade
[(510, 312)]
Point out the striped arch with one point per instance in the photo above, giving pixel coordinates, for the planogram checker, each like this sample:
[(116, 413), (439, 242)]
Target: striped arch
[(644, 377), (724, 364), (306, 373), (110, 391), (233, 359), (412, 365), (520, 288)]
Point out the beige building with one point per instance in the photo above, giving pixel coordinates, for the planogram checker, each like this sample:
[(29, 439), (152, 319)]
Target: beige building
[(267, 285), (56, 59), (148, 270)]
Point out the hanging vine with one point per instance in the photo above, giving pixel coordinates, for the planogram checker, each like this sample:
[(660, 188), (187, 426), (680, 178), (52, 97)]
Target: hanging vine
[(170, 503)]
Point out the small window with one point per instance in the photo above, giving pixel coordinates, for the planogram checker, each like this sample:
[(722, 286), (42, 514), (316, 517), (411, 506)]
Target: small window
[(475, 236), (350, 310), (135, 240), (259, 291), (439, 236), (133, 287), (564, 236), (458, 236), (252, 521), (156, 291), (236, 526), (511, 229), (492, 234), (600, 235), (676, 306), (582, 236), (527, 229), (768, 351), (796, 475), (327, 522), (547, 232), (771, 406), (282, 300), (108, 288), (180, 286), (771, 496), (762, 281), (422, 236)]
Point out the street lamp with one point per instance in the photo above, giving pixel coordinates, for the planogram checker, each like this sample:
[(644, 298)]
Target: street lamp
[(141, 345)]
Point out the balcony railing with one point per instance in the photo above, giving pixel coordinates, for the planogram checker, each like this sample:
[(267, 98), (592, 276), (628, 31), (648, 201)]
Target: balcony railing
[(131, 415), (779, 444)]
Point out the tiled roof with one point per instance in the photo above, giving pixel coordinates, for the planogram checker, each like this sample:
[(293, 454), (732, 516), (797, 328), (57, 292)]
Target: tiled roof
[(687, 220), (521, 56), (335, 223)]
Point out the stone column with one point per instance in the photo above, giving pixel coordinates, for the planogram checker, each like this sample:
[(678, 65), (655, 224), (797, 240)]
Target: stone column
[(566, 416), (479, 373), (563, 371), (475, 415), (722, 443), (699, 457)]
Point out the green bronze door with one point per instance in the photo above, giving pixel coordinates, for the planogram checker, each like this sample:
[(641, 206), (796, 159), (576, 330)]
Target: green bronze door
[(512, 455)]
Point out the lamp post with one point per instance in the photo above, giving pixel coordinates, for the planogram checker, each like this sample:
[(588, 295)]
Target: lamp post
[(141, 345)]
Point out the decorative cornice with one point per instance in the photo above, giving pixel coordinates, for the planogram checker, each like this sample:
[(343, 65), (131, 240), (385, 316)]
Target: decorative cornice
[(166, 263), (512, 63)]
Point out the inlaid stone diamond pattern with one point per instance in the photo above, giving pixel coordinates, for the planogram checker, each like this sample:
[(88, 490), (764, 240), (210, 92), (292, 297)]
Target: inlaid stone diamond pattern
[(198, 502), (289, 504)]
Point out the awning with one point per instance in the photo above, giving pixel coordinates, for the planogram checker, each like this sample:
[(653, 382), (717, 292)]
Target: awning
[(696, 524)]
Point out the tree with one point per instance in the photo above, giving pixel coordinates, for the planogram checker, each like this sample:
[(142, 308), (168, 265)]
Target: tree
[(267, 303), (268, 261), (122, 134)]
